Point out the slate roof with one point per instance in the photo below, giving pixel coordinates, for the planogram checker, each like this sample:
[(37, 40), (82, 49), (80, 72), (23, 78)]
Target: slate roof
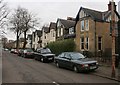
[(96, 15), (52, 25), (67, 23), (39, 33), (46, 29)]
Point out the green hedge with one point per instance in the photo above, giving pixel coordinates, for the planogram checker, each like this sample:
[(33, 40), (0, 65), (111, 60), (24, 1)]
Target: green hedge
[(58, 47)]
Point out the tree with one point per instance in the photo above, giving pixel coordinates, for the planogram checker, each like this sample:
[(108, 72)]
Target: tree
[(29, 21), (4, 11), (22, 21), (16, 24)]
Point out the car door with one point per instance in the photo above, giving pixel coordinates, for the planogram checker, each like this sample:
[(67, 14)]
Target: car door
[(67, 61)]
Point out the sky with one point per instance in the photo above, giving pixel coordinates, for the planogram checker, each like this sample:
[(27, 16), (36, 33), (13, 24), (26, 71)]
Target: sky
[(50, 10)]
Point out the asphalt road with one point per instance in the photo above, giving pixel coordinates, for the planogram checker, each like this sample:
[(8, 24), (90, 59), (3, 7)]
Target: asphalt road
[(22, 70)]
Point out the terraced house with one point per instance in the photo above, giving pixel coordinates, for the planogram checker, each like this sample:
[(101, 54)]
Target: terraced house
[(93, 32)]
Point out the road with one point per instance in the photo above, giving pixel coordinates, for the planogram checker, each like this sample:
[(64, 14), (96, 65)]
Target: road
[(22, 70)]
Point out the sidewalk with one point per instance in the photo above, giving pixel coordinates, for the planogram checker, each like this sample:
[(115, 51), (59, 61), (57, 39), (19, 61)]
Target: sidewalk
[(105, 71)]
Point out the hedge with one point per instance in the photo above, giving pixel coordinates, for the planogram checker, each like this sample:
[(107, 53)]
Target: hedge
[(58, 47)]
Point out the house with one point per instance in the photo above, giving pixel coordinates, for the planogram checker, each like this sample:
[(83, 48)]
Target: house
[(45, 36), (93, 31), (52, 32), (37, 39), (65, 29), (29, 41), (33, 40), (48, 34), (21, 42)]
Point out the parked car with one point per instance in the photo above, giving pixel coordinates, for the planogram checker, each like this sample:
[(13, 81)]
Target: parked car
[(44, 55), (27, 53), (12, 50), (20, 51), (75, 61)]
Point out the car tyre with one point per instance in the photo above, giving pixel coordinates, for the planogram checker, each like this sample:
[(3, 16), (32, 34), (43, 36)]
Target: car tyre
[(57, 64), (24, 56), (42, 59), (75, 69)]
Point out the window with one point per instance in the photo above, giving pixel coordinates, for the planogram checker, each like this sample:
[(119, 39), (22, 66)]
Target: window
[(82, 25), (45, 36), (82, 43), (71, 30), (58, 33), (53, 34), (87, 43), (99, 43), (87, 24), (61, 31)]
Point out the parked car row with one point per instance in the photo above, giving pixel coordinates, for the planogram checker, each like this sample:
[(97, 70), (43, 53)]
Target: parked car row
[(70, 60)]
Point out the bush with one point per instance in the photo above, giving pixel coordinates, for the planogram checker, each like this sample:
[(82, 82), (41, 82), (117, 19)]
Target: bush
[(58, 47)]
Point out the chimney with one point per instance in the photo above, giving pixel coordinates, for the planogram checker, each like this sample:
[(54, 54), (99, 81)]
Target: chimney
[(109, 5)]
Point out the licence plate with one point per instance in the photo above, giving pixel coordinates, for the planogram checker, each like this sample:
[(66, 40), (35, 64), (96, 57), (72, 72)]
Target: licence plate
[(50, 58), (92, 67)]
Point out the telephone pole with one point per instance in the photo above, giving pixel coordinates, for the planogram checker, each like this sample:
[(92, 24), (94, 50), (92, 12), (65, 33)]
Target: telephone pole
[(113, 38)]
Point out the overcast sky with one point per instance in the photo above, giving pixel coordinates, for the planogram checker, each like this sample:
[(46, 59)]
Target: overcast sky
[(49, 10)]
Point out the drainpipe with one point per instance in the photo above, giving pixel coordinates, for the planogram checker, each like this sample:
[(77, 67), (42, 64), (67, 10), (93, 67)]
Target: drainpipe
[(95, 41)]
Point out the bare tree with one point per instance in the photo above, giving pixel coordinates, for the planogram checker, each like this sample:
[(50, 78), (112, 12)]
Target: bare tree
[(4, 11), (23, 21), (16, 24)]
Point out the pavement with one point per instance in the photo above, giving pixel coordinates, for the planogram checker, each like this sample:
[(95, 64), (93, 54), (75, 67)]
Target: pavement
[(105, 71)]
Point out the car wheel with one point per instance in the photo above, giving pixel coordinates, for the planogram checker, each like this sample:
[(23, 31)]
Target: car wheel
[(75, 69), (57, 64), (42, 59), (35, 58), (24, 56)]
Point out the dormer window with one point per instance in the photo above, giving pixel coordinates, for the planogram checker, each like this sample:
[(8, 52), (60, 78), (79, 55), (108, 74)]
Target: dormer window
[(71, 30)]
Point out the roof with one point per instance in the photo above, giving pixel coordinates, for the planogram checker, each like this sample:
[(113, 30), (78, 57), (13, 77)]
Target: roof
[(96, 15), (46, 29), (67, 23), (52, 25), (39, 33)]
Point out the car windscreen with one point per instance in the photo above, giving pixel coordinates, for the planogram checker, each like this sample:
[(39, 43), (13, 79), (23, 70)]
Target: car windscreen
[(29, 50), (77, 56), (45, 51)]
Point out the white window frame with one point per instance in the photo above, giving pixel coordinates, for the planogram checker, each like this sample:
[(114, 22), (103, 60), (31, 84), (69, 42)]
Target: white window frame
[(87, 25), (71, 30), (82, 25)]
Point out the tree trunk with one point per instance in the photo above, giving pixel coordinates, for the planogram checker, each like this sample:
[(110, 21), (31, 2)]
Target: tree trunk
[(24, 45), (17, 42)]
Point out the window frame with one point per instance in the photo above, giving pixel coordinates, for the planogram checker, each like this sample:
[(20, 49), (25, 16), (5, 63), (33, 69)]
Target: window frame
[(82, 25)]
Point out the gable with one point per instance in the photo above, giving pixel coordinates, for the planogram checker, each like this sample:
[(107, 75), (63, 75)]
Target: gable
[(59, 24), (82, 14), (108, 19)]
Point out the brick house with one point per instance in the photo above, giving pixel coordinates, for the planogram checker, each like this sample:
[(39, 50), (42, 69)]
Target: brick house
[(93, 31)]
